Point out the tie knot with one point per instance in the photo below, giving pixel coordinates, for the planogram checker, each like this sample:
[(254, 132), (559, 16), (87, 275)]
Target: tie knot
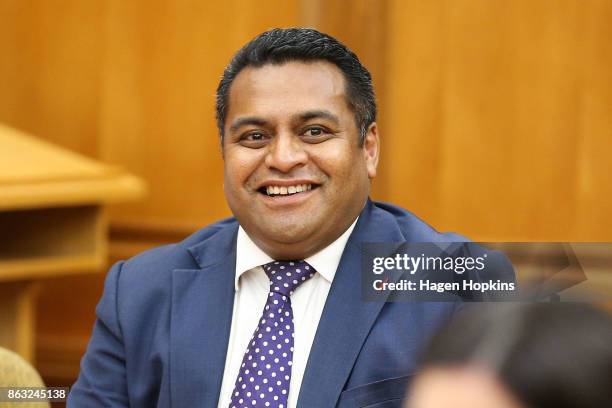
[(286, 276)]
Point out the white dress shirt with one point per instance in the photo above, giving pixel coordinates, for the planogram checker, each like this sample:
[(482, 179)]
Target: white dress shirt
[(252, 287)]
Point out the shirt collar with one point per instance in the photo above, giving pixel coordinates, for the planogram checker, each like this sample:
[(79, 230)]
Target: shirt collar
[(325, 262)]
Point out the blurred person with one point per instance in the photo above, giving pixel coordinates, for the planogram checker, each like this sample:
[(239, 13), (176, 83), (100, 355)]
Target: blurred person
[(265, 309), (19, 375), (537, 355)]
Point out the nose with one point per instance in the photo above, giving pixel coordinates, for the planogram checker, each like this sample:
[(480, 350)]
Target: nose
[(286, 152)]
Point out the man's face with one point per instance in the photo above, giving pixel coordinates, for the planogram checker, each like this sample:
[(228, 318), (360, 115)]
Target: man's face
[(295, 174)]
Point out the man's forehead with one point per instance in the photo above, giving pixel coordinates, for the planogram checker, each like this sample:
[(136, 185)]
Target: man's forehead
[(294, 87), (294, 77)]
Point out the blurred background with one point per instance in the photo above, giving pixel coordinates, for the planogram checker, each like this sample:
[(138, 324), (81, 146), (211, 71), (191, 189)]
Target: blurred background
[(495, 116)]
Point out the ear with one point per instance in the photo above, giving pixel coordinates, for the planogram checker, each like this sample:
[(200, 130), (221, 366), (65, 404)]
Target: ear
[(371, 149)]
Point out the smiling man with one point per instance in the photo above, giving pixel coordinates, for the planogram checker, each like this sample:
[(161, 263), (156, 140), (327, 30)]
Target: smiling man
[(265, 309), (297, 171)]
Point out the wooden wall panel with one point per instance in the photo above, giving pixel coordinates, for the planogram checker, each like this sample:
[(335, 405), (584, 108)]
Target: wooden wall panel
[(50, 54), (594, 208), (414, 118), (511, 111), (495, 122)]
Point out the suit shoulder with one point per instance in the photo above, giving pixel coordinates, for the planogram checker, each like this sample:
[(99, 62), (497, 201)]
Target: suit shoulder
[(164, 259), (142, 285), (415, 229)]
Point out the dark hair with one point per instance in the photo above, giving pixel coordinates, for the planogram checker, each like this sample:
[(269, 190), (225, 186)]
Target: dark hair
[(281, 45), (547, 354)]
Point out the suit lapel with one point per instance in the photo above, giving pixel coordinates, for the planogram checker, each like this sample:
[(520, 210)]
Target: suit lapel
[(202, 304), (346, 319)]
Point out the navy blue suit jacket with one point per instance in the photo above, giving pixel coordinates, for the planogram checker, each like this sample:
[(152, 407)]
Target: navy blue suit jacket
[(163, 323)]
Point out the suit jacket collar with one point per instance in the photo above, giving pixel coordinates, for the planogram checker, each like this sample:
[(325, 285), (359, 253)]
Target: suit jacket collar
[(201, 315), (346, 319), (217, 247)]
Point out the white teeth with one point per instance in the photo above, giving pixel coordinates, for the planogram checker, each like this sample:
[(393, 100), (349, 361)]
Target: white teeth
[(282, 190)]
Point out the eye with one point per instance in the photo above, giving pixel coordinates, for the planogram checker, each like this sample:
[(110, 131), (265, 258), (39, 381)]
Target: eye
[(316, 134), (316, 131), (254, 139), (255, 136)]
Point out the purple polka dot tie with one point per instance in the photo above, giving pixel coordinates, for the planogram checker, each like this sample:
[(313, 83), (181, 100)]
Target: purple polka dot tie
[(265, 373)]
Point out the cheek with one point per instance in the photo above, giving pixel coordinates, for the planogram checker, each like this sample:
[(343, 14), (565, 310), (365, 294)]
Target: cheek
[(345, 168), (240, 168), (336, 158)]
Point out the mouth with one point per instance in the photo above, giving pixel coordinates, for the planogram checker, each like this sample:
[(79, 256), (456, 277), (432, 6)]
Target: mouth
[(287, 190)]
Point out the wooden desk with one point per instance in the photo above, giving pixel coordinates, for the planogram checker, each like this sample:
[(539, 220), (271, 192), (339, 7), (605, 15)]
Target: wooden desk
[(52, 222)]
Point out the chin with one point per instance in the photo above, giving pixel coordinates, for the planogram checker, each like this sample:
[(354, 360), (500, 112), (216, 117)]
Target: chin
[(287, 233)]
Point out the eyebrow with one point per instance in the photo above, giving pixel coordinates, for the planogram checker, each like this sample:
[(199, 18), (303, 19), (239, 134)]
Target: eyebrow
[(318, 114), (301, 117), (248, 120)]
